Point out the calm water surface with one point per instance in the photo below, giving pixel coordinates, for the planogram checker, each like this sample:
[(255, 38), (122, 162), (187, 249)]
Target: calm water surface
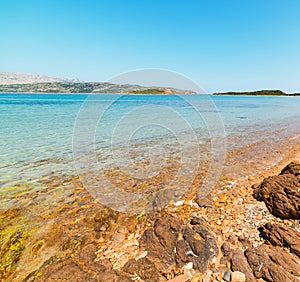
[(37, 131)]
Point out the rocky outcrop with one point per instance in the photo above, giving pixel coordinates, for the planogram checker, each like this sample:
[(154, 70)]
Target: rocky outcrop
[(172, 243), (282, 236), (264, 261), (281, 193), (238, 261), (273, 264), (68, 270), (198, 252)]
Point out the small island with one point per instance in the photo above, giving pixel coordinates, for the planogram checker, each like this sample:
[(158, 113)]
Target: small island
[(257, 93)]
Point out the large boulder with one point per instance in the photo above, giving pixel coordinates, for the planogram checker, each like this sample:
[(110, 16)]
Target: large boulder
[(281, 193)]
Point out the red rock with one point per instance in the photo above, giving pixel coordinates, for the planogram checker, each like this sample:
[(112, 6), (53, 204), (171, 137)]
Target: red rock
[(282, 236), (273, 264), (281, 193), (143, 267)]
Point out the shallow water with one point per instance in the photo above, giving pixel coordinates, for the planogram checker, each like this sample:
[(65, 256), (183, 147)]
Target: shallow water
[(43, 136)]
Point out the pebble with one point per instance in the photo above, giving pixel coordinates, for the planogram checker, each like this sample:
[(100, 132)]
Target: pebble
[(223, 199), (142, 255), (227, 275), (179, 203), (188, 266), (238, 276)]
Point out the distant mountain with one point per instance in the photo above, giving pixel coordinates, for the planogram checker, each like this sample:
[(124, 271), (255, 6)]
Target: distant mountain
[(88, 87), (28, 83), (7, 78)]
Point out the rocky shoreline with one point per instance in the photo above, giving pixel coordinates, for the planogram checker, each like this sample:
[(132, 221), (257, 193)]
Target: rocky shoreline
[(226, 236)]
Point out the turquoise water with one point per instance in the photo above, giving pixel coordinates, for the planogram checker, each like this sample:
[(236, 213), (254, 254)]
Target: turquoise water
[(37, 131)]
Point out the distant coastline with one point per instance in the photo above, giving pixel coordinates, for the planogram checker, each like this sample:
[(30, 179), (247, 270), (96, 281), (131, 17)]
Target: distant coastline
[(258, 93), (87, 88)]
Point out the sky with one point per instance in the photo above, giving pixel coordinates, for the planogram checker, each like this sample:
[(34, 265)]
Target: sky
[(222, 45)]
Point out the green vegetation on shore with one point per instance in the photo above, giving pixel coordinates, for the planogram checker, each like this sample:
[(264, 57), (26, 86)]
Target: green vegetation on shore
[(259, 93), (149, 91)]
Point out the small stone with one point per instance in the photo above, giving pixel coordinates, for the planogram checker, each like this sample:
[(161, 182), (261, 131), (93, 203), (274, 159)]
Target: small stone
[(223, 200), (188, 266), (238, 276), (179, 203), (205, 203), (227, 275)]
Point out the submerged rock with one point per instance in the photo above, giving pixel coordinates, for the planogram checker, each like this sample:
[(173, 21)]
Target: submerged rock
[(281, 193)]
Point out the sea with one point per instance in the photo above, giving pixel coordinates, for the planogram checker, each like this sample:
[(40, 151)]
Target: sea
[(49, 136)]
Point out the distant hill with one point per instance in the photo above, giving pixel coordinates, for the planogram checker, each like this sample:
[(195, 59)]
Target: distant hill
[(13, 82), (8, 78), (88, 87)]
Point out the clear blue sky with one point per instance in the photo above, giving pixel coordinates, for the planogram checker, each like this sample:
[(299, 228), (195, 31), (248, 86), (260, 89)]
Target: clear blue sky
[(221, 44)]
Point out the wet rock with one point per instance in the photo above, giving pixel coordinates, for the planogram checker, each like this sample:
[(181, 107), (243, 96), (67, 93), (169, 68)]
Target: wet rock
[(73, 243), (282, 236), (65, 271), (273, 264), (143, 267), (281, 193), (104, 219)]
